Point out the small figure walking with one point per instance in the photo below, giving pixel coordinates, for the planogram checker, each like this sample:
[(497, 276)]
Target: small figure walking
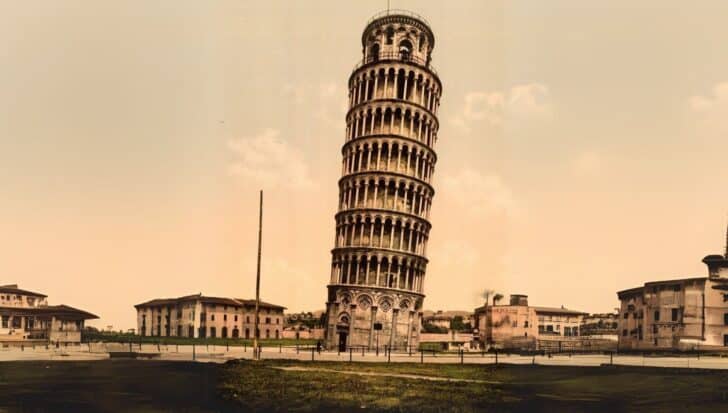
[(318, 346)]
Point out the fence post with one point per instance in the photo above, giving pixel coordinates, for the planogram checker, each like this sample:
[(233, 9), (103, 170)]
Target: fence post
[(362, 351), (533, 361), (422, 356), (462, 356), (496, 357), (313, 351), (349, 354), (389, 354), (193, 352), (297, 348), (611, 359), (245, 347), (280, 348), (129, 346), (227, 345)]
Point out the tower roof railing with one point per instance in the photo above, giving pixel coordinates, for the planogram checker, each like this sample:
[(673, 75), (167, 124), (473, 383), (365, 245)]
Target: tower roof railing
[(396, 56), (398, 12)]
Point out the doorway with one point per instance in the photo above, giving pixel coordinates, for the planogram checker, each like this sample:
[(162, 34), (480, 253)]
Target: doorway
[(342, 342)]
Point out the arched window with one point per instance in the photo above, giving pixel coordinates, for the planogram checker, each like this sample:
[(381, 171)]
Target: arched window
[(374, 52), (247, 333), (405, 49), (267, 333), (224, 332), (390, 35)]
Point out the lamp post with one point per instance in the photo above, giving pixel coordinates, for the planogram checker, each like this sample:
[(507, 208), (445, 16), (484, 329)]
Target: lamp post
[(256, 354)]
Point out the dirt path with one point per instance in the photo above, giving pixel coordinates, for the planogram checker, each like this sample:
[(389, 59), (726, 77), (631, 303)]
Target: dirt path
[(399, 375)]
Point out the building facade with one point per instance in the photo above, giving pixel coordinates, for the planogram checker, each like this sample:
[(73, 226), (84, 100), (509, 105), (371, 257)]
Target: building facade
[(25, 316), (198, 316), (385, 192), (679, 314), (518, 325)]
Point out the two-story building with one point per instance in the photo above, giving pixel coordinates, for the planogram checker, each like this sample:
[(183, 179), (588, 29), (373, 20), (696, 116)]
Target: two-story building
[(518, 325), (201, 316), (678, 314), (25, 316)]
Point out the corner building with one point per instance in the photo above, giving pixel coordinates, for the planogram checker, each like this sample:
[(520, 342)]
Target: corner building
[(379, 259)]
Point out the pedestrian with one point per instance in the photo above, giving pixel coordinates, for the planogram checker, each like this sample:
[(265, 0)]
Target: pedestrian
[(318, 346)]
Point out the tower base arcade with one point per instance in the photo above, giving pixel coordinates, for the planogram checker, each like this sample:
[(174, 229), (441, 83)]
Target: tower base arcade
[(371, 318)]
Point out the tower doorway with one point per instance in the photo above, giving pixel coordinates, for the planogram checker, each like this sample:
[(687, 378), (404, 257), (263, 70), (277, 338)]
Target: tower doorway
[(342, 342)]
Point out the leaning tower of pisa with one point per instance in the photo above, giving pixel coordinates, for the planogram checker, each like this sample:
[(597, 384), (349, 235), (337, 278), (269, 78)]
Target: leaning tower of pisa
[(379, 259)]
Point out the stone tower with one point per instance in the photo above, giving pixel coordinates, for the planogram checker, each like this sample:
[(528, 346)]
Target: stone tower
[(379, 258)]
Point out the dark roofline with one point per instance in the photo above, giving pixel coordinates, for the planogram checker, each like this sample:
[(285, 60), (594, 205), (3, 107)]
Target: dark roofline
[(636, 290), (557, 310), (235, 302), (13, 289), (53, 310)]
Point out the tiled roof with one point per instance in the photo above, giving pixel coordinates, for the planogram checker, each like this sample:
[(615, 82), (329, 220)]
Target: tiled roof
[(13, 289), (53, 310), (235, 302), (558, 310)]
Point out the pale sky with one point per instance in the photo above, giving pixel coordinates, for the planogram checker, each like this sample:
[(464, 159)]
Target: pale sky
[(582, 147)]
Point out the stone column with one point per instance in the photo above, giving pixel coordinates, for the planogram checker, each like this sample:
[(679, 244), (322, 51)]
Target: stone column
[(371, 326), (352, 311), (409, 327), (393, 333)]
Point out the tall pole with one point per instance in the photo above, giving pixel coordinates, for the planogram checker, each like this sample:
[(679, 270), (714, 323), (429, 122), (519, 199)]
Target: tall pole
[(257, 279)]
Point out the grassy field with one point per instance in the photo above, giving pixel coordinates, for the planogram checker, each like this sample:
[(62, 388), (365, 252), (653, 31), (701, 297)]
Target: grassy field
[(158, 386), (261, 387), (125, 338)]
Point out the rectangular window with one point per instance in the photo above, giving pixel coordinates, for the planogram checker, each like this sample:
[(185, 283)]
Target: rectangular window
[(624, 333), (725, 297), (5, 321), (725, 319), (626, 316), (224, 317), (657, 315), (212, 317), (674, 314), (525, 324), (236, 317)]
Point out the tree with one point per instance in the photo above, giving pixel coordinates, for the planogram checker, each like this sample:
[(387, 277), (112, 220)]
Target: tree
[(456, 323), (497, 298), (431, 328)]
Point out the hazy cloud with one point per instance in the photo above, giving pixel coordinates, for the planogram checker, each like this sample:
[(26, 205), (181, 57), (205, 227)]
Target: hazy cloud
[(328, 99), (269, 161), (587, 163), (527, 101), (717, 100), (478, 194)]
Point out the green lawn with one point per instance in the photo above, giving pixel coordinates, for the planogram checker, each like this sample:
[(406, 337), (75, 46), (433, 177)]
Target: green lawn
[(258, 386), (171, 386)]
